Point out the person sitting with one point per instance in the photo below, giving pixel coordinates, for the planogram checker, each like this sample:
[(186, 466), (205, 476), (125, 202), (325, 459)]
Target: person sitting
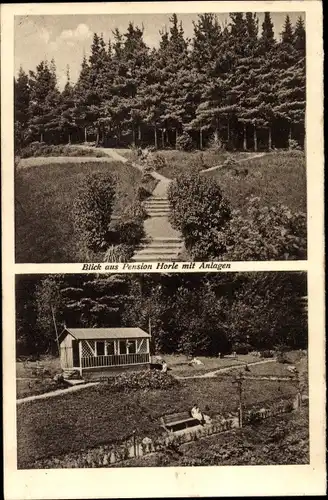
[(197, 414)]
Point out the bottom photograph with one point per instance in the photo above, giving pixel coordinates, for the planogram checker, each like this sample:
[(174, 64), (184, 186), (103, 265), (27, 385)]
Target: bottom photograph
[(159, 370)]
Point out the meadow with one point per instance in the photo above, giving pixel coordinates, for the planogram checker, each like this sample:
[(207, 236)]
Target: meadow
[(97, 415), (44, 197)]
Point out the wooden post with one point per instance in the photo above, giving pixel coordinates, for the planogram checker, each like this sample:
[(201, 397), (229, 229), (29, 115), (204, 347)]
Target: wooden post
[(80, 356)]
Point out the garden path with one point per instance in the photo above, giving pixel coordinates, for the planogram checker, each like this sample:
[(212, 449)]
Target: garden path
[(162, 241), (58, 392), (217, 167), (213, 373)]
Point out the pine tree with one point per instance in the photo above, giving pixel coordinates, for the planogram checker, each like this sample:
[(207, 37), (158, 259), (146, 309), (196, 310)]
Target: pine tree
[(299, 36), (67, 123), (267, 40), (287, 34), (21, 106)]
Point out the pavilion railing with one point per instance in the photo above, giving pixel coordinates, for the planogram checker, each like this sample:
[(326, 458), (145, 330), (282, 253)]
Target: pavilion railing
[(115, 360)]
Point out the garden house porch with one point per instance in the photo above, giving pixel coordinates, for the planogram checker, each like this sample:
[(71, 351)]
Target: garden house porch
[(100, 349)]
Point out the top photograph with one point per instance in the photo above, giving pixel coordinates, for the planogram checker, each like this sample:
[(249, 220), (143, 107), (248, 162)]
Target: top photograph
[(160, 137)]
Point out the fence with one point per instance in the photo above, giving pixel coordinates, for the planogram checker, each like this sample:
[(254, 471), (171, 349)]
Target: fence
[(115, 360)]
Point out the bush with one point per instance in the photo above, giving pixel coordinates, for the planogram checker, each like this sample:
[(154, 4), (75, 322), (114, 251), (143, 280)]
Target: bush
[(267, 354), (265, 233), (147, 379), (119, 253), (41, 149), (156, 161), (242, 348), (294, 145), (93, 209), (216, 144), (184, 142), (199, 211), (130, 231)]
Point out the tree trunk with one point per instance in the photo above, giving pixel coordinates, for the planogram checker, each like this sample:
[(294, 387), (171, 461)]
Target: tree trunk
[(200, 139), (270, 139), (244, 139), (255, 139), (97, 137), (69, 139), (290, 136), (85, 134), (176, 137), (139, 133), (41, 137), (216, 131), (133, 137), (228, 133), (162, 138), (156, 140)]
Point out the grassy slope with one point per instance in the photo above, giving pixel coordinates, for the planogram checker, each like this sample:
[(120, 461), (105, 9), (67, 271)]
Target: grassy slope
[(277, 441), (44, 201), (278, 178), (96, 416)]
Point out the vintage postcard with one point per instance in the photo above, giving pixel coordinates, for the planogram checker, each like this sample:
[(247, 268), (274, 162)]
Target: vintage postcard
[(163, 229)]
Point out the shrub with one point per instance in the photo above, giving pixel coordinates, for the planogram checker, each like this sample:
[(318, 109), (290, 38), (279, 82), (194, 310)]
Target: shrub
[(156, 161), (93, 208), (294, 145), (265, 233), (119, 253), (184, 142), (199, 212), (242, 348), (147, 379), (267, 354), (216, 144), (130, 231)]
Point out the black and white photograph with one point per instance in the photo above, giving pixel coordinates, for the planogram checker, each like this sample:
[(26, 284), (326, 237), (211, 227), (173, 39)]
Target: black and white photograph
[(160, 137), (160, 370)]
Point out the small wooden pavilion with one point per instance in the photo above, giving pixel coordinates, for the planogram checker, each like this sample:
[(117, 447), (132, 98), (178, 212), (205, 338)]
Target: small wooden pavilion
[(99, 349)]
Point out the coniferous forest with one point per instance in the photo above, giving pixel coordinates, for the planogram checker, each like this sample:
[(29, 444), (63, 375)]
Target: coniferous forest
[(241, 85)]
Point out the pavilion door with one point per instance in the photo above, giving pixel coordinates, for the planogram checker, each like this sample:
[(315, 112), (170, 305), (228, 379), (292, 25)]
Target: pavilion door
[(76, 353)]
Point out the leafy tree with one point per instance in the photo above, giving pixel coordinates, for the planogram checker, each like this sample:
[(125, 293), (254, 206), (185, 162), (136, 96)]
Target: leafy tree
[(93, 210), (200, 212)]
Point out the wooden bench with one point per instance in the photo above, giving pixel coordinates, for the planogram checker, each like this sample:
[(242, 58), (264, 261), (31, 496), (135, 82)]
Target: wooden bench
[(177, 421)]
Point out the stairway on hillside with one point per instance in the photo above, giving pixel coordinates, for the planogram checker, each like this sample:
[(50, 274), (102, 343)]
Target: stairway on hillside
[(162, 242)]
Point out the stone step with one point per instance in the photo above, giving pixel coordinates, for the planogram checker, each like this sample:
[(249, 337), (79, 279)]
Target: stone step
[(159, 244), (157, 214), (158, 251)]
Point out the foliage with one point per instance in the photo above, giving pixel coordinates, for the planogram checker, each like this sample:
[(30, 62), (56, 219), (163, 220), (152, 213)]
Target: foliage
[(146, 379), (241, 348), (119, 253), (184, 142), (199, 211), (267, 354), (236, 82), (41, 149), (265, 233)]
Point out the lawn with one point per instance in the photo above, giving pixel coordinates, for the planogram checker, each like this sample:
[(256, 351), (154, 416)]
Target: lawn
[(95, 415), (44, 198), (277, 178), (282, 440), (179, 364), (170, 163)]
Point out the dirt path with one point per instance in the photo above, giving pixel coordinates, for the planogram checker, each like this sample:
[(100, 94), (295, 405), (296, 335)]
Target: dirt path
[(217, 167), (52, 394), (213, 373)]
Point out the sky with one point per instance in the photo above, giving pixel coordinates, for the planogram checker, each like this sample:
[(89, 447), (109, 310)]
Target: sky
[(67, 37)]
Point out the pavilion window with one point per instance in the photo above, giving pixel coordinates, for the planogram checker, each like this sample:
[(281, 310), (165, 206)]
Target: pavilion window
[(123, 347), (110, 348), (131, 347), (100, 348)]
